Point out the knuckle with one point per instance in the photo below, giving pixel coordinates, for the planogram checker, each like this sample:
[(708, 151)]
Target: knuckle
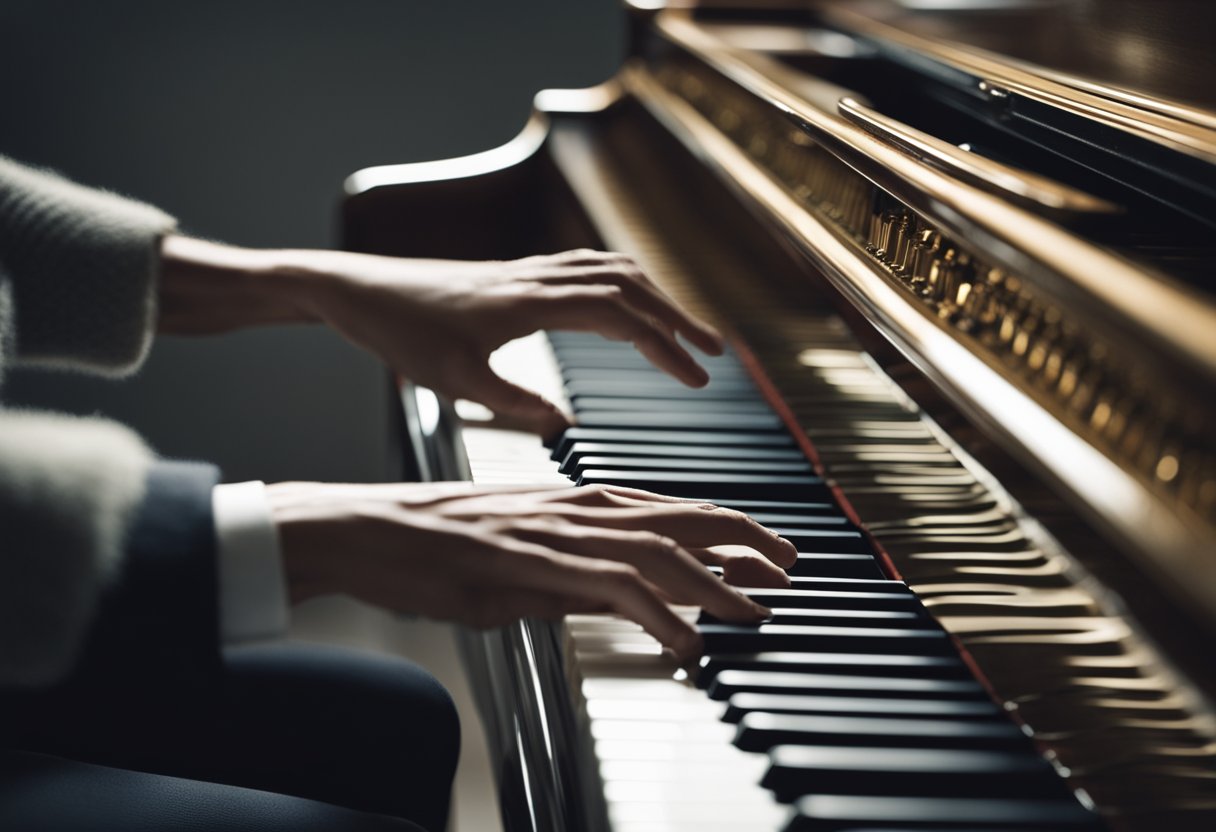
[(599, 491), (662, 545), (610, 293), (622, 576)]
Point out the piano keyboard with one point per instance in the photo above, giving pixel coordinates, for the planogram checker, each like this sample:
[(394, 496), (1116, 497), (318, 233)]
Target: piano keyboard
[(851, 709)]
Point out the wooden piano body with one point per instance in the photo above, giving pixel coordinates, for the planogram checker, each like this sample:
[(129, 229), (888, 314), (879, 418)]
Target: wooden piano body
[(1002, 355)]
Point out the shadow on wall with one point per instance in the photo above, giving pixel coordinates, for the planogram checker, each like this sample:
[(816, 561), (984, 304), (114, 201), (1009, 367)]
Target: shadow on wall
[(242, 119)]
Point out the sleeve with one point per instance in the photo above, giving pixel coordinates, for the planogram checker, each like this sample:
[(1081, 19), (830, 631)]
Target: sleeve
[(252, 588), (159, 614), (83, 266), (69, 490)]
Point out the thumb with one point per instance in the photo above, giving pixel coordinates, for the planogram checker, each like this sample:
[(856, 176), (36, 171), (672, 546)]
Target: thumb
[(516, 406)]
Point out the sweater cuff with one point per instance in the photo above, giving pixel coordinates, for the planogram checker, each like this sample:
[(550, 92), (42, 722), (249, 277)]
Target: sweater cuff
[(83, 264)]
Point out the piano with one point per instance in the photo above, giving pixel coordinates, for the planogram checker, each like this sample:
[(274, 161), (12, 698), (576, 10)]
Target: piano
[(965, 255)]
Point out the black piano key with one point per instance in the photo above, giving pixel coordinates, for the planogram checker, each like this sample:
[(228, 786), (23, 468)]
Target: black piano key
[(825, 540), (798, 521), (816, 565), (631, 359), (703, 420), (833, 813), (848, 585), (857, 664), (742, 638), (638, 404), (659, 386), (834, 599), (710, 467), (796, 770), (598, 382), (584, 449), (689, 483), (614, 369), (729, 682), (839, 617), (674, 436), (752, 507), (761, 731), (781, 703)]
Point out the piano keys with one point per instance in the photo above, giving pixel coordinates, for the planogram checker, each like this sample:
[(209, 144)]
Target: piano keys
[(972, 385)]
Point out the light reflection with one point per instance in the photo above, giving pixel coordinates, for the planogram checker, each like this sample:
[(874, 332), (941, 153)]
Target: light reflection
[(512, 153)]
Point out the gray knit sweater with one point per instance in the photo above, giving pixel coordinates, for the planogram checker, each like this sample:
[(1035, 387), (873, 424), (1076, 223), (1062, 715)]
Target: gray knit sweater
[(77, 291)]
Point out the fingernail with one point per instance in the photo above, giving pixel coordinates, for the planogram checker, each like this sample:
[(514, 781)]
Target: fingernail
[(761, 611)]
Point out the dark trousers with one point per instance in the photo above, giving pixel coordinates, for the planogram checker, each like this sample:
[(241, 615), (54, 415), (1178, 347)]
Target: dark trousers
[(283, 737)]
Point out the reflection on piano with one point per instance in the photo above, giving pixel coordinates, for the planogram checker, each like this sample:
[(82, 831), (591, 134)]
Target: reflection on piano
[(966, 258)]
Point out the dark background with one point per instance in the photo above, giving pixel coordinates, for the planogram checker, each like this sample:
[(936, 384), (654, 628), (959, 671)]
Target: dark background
[(242, 119)]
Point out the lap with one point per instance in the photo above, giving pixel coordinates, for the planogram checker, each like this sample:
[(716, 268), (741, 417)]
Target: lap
[(40, 792), (364, 731)]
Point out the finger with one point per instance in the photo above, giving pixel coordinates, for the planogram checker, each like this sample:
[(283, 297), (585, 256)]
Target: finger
[(660, 560), (616, 586), (615, 495), (603, 309), (693, 525), (530, 411), (643, 294), (741, 567)]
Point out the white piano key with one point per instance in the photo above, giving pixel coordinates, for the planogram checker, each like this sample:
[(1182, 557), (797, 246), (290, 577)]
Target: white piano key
[(658, 750), (646, 689), (686, 826), (728, 791), (743, 816), (750, 767), (635, 729), (705, 710)]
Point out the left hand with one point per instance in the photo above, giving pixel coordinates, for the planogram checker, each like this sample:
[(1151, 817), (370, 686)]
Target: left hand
[(437, 321)]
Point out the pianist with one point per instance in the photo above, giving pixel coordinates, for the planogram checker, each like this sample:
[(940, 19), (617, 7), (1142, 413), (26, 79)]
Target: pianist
[(140, 682)]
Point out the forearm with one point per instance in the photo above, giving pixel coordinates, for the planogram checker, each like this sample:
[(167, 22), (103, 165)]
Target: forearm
[(210, 287)]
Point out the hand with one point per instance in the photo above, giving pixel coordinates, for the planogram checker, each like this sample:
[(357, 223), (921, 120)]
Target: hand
[(486, 557), (433, 321), (437, 321)]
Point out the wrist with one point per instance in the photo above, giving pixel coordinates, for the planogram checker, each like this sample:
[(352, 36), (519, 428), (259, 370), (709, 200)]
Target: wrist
[(303, 515)]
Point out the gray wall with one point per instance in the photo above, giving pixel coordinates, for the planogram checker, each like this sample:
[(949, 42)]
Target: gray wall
[(242, 119)]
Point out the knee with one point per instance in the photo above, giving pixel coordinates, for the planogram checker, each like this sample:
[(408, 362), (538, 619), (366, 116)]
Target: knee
[(434, 724), (381, 708)]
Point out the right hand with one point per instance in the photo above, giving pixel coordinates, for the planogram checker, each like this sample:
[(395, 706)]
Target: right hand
[(488, 556)]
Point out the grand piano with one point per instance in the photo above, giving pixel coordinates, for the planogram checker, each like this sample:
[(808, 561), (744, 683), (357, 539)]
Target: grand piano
[(965, 254)]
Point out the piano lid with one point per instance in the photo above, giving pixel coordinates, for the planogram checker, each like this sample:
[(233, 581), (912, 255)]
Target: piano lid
[(1155, 54)]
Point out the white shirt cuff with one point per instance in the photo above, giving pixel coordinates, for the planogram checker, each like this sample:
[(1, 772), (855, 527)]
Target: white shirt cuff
[(253, 590)]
